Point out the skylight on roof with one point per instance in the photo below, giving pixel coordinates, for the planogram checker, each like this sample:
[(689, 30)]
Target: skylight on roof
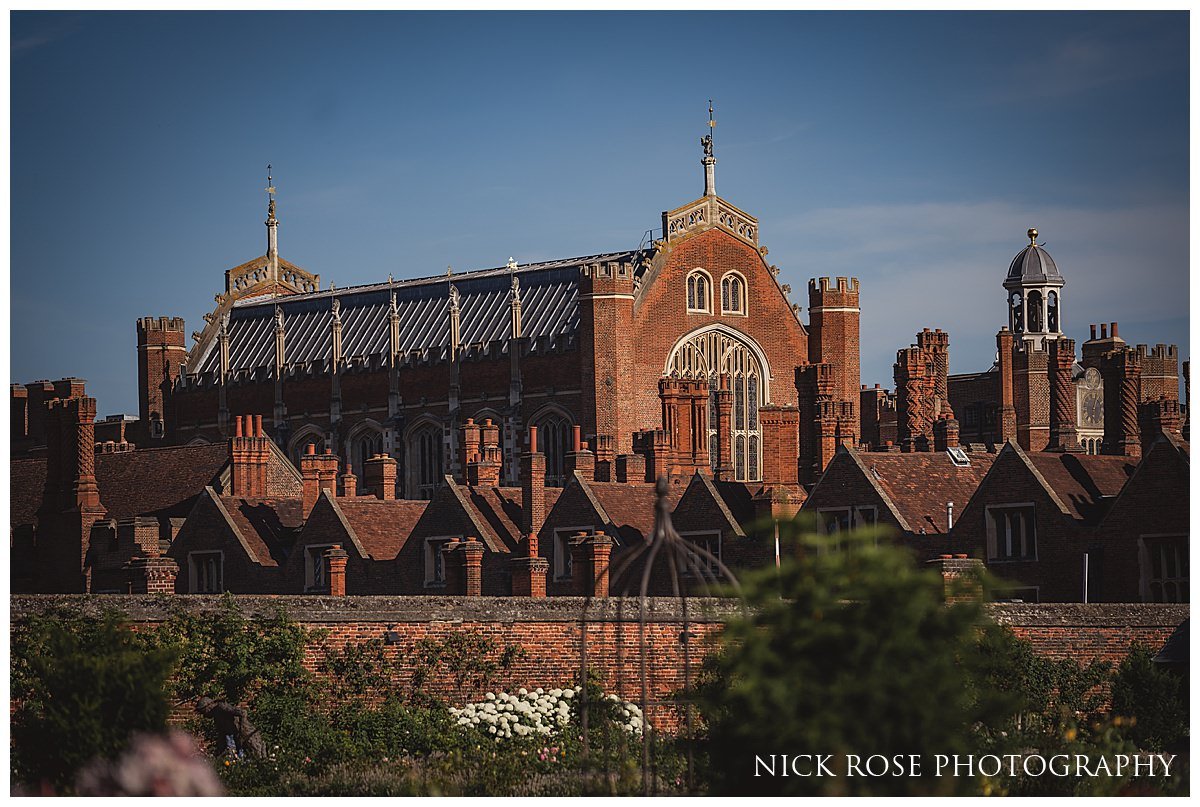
[(959, 457)]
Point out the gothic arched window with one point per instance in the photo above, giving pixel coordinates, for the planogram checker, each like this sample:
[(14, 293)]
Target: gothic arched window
[(733, 294), (363, 445), (1052, 312), (553, 431), (1018, 313), (718, 351), (299, 443), (699, 296), (425, 461)]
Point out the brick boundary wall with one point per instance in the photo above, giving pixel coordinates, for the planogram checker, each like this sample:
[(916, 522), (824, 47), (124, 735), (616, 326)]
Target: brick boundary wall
[(549, 631), (1091, 631)]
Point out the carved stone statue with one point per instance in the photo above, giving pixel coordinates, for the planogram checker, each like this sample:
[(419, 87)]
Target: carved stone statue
[(239, 734), (707, 143)]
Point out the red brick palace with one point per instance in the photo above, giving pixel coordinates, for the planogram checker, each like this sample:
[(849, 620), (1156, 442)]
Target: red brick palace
[(498, 431)]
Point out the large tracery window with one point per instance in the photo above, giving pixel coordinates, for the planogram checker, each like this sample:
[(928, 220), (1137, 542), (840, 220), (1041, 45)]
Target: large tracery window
[(698, 296), (553, 431), (710, 354), (425, 461)]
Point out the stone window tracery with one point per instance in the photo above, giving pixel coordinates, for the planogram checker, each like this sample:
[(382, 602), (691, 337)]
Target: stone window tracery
[(425, 461), (718, 351), (554, 431), (699, 295), (733, 294)]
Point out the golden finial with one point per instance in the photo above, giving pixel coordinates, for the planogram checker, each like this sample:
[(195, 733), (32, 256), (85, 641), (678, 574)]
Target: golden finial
[(1032, 233)]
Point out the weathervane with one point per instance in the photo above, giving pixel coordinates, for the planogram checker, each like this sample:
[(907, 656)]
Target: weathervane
[(270, 193), (707, 140)]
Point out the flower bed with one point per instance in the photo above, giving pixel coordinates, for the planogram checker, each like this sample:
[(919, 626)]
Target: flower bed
[(540, 713)]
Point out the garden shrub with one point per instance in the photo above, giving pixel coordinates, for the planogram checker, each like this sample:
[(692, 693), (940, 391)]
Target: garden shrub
[(83, 688)]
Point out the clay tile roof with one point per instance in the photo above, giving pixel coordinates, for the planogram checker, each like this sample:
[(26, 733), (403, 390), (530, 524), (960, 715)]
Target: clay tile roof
[(921, 483), (162, 481), (382, 526), (739, 498), (1084, 483), (631, 504), (501, 509), (268, 525), (146, 481)]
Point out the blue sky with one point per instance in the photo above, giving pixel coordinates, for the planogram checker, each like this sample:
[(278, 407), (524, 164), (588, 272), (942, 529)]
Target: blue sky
[(911, 150)]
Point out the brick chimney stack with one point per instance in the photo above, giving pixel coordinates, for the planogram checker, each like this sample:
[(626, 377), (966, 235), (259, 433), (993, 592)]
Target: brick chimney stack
[(1158, 417), (529, 570), (1006, 420), (349, 482), (485, 464), (310, 474), (335, 562), (579, 458), (249, 456), (379, 476), (1063, 428), (590, 556), (1122, 371), (329, 470), (780, 445)]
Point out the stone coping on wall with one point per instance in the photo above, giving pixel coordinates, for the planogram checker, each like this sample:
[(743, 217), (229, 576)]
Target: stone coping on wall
[(155, 608), (1097, 615)]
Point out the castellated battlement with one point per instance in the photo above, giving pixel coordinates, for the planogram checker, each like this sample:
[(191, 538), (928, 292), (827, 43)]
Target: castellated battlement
[(830, 291), (146, 324), (1160, 351), (937, 338)]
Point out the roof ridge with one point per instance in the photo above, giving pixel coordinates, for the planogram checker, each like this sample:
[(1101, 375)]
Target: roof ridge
[(457, 277)]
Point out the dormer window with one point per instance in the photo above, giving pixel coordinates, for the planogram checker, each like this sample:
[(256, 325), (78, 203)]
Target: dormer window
[(733, 294), (699, 292)]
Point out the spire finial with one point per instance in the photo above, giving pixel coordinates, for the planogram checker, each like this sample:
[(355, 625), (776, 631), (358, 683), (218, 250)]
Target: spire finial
[(709, 161), (270, 194), (272, 229), (1033, 234)]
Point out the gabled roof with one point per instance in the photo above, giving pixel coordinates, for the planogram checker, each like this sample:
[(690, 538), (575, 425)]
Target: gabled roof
[(267, 526), (378, 528), (738, 497), (485, 532), (143, 482), (629, 504), (917, 486), (703, 485), (549, 308), (1085, 484), (1166, 444), (501, 508)]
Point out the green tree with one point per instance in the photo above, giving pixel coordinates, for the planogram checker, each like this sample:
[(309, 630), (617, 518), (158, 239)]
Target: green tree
[(848, 649), (1156, 699), (83, 688)]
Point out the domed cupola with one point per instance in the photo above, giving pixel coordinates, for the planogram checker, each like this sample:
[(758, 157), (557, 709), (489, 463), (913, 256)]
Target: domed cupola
[(1034, 287)]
